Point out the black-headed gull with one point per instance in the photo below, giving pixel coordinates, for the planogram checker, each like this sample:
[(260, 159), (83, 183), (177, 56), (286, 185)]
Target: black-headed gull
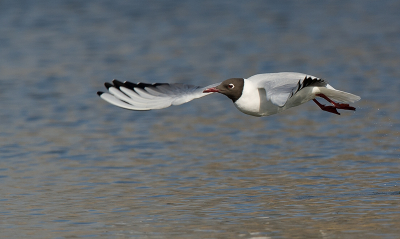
[(259, 95)]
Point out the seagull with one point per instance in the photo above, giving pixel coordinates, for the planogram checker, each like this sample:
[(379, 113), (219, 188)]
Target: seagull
[(258, 95)]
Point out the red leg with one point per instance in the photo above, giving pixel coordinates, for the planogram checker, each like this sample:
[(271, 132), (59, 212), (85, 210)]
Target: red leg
[(337, 105), (331, 109)]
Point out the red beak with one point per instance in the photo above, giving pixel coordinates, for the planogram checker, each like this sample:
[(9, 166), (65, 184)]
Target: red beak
[(210, 90)]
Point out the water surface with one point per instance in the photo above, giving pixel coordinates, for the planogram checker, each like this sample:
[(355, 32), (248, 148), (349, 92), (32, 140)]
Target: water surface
[(72, 165)]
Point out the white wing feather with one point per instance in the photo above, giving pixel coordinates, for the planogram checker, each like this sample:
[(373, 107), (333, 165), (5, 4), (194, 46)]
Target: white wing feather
[(143, 96)]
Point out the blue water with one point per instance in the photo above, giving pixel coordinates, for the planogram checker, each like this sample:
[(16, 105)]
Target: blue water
[(72, 165)]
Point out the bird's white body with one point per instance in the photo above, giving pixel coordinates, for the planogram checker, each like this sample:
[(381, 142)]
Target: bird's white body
[(254, 100), (258, 105)]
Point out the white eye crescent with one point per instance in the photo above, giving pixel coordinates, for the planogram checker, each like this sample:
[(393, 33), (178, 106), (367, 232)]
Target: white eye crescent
[(231, 86)]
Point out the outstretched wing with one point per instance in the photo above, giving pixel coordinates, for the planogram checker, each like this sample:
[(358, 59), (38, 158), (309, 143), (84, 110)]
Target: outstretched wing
[(142, 96), (280, 87)]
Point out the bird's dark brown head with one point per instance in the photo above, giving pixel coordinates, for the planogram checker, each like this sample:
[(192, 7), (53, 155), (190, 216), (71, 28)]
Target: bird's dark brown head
[(232, 88)]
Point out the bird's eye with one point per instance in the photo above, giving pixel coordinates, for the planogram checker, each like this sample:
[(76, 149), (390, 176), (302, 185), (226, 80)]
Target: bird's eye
[(231, 86)]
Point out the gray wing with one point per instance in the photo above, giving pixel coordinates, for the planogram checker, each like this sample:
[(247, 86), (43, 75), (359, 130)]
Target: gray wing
[(280, 87), (142, 96)]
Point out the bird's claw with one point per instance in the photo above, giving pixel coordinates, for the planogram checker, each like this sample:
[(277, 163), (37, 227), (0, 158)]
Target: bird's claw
[(344, 107), (329, 108)]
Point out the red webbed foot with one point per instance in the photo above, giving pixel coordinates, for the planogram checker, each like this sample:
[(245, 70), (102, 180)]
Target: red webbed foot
[(329, 108), (332, 109)]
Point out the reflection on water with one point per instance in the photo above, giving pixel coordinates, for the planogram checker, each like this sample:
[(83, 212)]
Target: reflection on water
[(74, 166)]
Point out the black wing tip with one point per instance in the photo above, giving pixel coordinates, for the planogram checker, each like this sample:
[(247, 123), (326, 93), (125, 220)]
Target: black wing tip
[(144, 85), (141, 85), (117, 83), (99, 93), (313, 80), (127, 84), (108, 85), (309, 81)]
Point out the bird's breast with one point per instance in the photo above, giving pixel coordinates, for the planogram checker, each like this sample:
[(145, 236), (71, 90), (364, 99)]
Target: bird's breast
[(255, 103)]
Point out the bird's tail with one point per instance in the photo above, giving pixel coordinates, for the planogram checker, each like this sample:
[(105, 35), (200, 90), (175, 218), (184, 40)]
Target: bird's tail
[(339, 96)]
